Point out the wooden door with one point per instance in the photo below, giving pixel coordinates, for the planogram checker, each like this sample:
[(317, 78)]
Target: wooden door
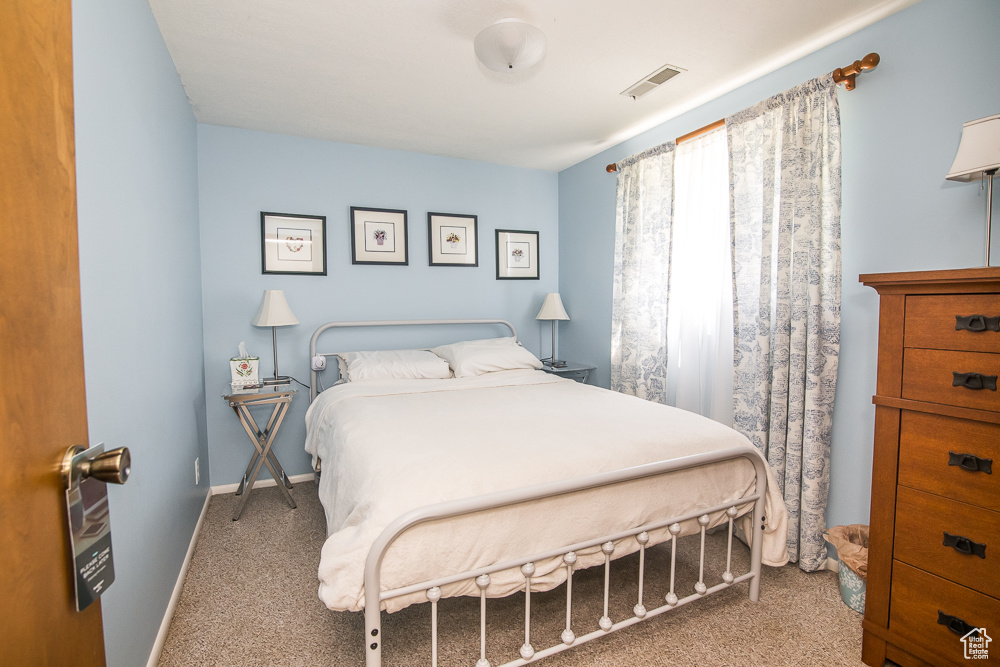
[(42, 403)]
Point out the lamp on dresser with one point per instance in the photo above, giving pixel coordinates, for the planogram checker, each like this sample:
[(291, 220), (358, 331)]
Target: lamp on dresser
[(274, 312), (552, 309), (979, 157)]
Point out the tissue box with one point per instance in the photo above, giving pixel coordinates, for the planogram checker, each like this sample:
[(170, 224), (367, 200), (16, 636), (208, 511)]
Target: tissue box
[(244, 370)]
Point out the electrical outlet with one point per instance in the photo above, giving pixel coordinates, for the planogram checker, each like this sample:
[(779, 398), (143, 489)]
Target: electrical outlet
[(197, 472)]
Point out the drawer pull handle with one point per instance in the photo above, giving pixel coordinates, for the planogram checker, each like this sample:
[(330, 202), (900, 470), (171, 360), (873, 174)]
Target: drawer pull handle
[(974, 381), (964, 545), (970, 462), (977, 323), (955, 624)]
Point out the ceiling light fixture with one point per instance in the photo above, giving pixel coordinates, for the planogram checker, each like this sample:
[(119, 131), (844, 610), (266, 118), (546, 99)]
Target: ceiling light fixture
[(510, 45)]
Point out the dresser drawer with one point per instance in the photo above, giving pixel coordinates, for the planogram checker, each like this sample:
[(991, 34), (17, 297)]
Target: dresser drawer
[(930, 322), (950, 456), (928, 375), (919, 599), (926, 523)]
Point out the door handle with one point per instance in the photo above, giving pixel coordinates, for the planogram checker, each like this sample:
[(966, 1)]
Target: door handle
[(112, 467), (86, 473)]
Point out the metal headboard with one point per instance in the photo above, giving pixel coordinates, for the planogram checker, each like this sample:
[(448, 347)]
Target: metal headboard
[(314, 375)]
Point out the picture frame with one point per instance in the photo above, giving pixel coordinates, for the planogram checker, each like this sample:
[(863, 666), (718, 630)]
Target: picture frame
[(378, 236), (452, 239), (517, 254), (291, 243)]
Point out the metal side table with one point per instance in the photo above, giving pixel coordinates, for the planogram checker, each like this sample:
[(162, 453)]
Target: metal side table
[(280, 397), (572, 370)]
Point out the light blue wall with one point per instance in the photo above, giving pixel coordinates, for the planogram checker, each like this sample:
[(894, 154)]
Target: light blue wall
[(901, 128), (137, 180), (243, 172)]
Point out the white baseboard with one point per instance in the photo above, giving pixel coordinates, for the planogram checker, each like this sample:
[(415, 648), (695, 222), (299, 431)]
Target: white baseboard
[(832, 564), (261, 483), (168, 615)]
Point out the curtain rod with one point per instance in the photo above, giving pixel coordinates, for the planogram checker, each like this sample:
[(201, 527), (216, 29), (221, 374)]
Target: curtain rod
[(613, 167), (844, 75)]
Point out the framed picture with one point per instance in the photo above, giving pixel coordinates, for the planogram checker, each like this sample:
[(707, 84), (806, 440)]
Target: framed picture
[(517, 255), (378, 236), (292, 243), (453, 240)]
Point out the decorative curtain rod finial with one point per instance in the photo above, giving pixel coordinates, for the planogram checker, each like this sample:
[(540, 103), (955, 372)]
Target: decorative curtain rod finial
[(847, 75)]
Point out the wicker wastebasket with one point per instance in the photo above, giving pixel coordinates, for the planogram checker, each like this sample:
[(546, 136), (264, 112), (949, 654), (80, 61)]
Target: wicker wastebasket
[(851, 543)]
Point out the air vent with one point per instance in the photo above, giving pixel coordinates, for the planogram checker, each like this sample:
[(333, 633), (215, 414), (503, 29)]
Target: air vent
[(652, 81)]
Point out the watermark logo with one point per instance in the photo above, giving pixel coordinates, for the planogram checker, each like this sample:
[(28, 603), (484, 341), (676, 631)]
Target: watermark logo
[(977, 644)]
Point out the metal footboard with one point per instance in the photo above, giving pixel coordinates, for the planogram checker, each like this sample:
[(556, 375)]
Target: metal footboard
[(374, 596)]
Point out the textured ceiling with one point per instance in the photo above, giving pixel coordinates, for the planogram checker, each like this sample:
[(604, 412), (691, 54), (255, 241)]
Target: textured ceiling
[(402, 73)]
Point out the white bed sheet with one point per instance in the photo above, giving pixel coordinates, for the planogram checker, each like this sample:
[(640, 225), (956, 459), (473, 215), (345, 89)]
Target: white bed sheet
[(388, 447)]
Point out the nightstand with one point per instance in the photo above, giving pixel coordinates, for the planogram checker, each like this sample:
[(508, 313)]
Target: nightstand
[(241, 400), (572, 370)]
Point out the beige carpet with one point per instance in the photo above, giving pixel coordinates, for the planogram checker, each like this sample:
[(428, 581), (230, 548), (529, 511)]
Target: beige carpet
[(250, 599)]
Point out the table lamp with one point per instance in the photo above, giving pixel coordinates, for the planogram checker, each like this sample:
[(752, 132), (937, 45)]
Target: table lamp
[(978, 157), (274, 312), (552, 309)]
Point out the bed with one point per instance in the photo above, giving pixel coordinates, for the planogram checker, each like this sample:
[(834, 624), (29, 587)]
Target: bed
[(508, 479)]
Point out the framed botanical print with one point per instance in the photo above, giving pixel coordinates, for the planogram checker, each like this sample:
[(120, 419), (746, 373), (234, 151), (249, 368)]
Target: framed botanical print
[(293, 243), (378, 236), (517, 255), (453, 240)]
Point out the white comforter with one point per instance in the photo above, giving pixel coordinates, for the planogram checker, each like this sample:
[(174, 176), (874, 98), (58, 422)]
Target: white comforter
[(391, 446)]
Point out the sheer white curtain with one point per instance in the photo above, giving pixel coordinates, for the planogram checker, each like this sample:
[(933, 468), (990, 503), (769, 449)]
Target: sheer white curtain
[(700, 330)]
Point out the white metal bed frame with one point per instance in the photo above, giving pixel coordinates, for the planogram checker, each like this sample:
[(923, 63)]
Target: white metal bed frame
[(374, 596)]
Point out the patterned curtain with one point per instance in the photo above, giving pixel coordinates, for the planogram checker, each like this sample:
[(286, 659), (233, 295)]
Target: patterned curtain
[(785, 192), (642, 248)]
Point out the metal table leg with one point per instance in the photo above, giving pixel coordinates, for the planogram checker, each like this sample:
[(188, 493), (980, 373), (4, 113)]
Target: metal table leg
[(262, 439), (257, 437)]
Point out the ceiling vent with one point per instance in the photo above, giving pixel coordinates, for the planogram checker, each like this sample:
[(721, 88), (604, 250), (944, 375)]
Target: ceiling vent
[(652, 81)]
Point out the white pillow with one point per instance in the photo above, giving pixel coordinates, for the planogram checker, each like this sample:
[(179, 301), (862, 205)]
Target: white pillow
[(475, 357), (392, 365)]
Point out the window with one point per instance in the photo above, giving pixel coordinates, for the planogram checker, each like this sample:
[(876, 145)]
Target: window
[(700, 304)]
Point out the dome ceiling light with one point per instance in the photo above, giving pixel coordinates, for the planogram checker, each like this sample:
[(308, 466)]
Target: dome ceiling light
[(510, 45)]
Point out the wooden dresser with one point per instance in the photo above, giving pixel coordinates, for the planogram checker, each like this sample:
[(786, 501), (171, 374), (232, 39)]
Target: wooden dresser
[(934, 556)]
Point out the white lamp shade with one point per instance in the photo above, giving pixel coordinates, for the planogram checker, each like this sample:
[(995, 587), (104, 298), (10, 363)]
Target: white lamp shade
[(979, 150), (274, 311), (552, 308), (510, 45)]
